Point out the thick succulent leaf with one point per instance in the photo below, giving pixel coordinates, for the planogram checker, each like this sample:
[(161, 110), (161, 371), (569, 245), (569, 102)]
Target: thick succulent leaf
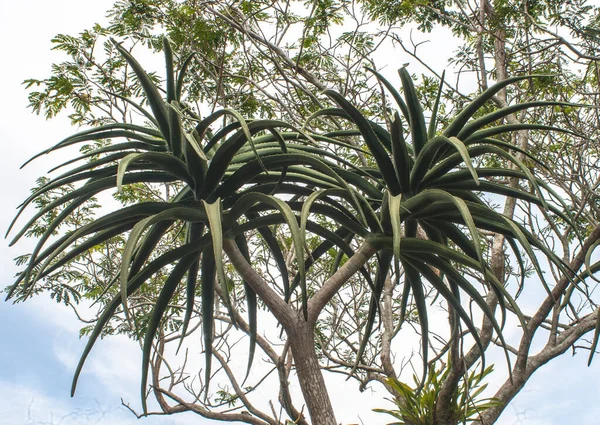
[(251, 303), (474, 294), (252, 169), (465, 212), (170, 73), (451, 233), (489, 149), (418, 247), (54, 184), (33, 260), (510, 147), (154, 98), (371, 218), (148, 243), (511, 128), (500, 189), (119, 147), (162, 161), (384, 261), (195, 231), (248, 201), (108, 131), (89, 190), (403, 303), (194, 139), (306, 210), (300, 174), (396, 222), (588, 258), (91, 170), (596, 338), (160, 306), (208, 302), (172, 213), (487, 119), (522, 271), (472, 108), (214, 140), (438, 202), (176, 136), (337, 215), (214, 214), (245, 128), (394, 93), (379, 131), (136, 106), (434, 111), (195, 159), (89, 243), (125, 217), (229, 148), (133, 285), (265, 149), (401, 159), (413, 279), (383, 135), (418, 130), (520, 236), (466, 175), (182, 74), (273, 246), (328, 113), (373, 142), (455, 303), (424, 161)]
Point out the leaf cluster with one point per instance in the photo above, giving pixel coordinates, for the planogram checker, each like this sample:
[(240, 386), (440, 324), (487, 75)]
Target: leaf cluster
[(419, 200)]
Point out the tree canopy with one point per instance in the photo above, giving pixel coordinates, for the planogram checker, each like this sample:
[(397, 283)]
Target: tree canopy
[(344, 210)]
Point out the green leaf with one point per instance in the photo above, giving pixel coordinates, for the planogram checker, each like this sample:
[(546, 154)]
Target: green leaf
[(182, 73), (208, 301), (394, 210), (251, 303), (434, 112), (394, 93), (466, 113), (403, 163), (214, 213), (596, 338), (160, 306), (195, 231), (248, 201), (154, 98), (424, 161), (417, 120), (171, 93), (133, 285), (373, 142)]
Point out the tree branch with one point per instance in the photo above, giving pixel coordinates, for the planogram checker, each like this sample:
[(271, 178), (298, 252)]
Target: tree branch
[(282, 311), (339, 278)]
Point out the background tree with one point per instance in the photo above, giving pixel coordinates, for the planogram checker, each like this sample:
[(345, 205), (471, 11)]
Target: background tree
[(287, 70)]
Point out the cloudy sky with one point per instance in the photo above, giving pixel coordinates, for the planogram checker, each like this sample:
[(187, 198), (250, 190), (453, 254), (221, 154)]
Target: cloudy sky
[(40, 343)]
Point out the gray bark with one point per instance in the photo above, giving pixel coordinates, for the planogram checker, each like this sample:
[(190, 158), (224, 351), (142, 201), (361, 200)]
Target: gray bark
[(312, 384), (300, 332)]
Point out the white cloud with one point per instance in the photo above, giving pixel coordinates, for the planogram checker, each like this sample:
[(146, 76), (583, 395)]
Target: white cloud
[(28, 405)]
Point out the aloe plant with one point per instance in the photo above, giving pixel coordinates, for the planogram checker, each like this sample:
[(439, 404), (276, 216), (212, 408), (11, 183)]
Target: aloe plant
[(418, 206), (417, 406)]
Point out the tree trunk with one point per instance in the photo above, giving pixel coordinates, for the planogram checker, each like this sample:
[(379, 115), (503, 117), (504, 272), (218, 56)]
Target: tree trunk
[(309, 373)]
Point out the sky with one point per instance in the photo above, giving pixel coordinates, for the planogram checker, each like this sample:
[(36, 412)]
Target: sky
[(40, 342)]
